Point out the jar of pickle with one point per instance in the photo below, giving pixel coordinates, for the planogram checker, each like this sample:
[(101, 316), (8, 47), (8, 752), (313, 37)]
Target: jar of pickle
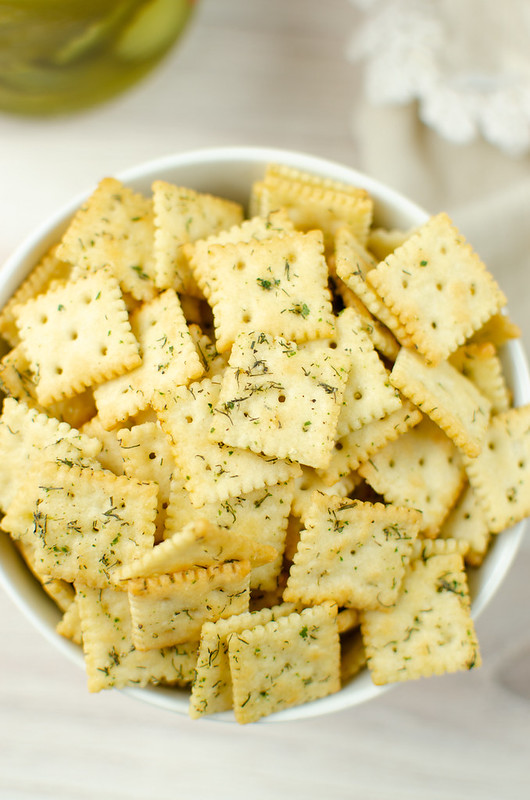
[(63, 55)]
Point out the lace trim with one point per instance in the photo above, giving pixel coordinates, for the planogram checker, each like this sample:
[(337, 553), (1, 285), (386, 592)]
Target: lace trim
[(466, 62)]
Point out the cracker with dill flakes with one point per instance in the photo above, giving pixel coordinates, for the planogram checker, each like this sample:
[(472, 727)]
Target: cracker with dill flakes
[(278, 285), (200, 543), (421, 469), (482, 366), (114, 228), (82, 522), (467, 522), (310, 482), (500, 475), (368, 394), (211, 690), (168, 354), (170, 609), (438, 288), (352, 553), (77, 335), (358, 446), (281, 400), (28, 438), (255, 229), (61, 592), (16, 380), (111, 658), (382, 339), (147, 456), (184, 215), (429, 631), (285, 662), (446, 396), (260, 515), (212, 471), (353, 264), (313, 206), (49, 269)]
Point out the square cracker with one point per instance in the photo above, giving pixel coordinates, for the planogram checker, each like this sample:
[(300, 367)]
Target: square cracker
[(146, 454), (111, 658), (382, 339), (169, 358), (279, 285), (281, 400), (184, 215), (466, 522), (482, 366), (17, 380), (438, 288), (199, 544), (211, 690), (170, 609), (500, 475), (255, 229), (420, 469), (275, 172), (429, 631), (352, 450), (49, 269), (212, 471), (314, 204), (352, 553), (61, 592), (82, 521), (28, 437), (353, 264), (260, 515), (286, 662), (77, 335), (446, 396), (368, 394), (310, 482), (114, 228)]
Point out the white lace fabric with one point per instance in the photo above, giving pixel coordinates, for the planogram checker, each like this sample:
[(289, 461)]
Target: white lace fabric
[(465, 62)]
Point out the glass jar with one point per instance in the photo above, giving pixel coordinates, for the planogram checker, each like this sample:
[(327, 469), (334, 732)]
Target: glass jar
[(63, 55)]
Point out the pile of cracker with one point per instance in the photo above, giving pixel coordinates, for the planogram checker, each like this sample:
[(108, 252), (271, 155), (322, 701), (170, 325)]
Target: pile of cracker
[(251, 452)]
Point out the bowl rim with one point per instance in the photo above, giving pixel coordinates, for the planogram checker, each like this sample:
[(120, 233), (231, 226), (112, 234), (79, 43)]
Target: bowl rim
[(40, 609)]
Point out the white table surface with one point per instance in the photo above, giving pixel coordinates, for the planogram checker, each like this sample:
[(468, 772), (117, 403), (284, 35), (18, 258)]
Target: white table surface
[(266, 72)]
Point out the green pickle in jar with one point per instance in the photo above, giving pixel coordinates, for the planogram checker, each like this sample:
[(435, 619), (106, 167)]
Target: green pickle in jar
[(64, 55)]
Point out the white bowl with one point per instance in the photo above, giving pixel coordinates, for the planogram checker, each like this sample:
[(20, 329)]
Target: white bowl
[(229, 172)]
